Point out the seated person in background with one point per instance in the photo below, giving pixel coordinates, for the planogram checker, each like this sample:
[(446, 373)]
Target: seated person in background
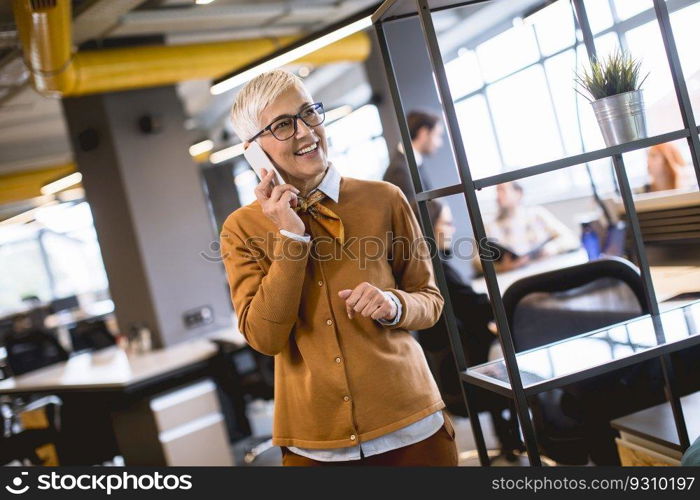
[(472, 309), (523, 228), (473, 313), (664, 163)]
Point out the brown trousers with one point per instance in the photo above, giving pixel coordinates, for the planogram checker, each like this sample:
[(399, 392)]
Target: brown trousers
[(440, 449)]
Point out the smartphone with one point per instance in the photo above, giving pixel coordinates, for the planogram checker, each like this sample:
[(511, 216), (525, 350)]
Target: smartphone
[(258, 159)]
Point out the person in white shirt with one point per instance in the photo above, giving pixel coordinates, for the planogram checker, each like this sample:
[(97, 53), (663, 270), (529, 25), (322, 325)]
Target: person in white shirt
[(523, 228), (426, 131)]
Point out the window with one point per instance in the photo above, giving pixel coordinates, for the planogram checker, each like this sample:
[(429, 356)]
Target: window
[(646, 41), (357, 147), (685, 24), (510, 51), (63, 238), (524, 111), (628, 8), (554, 26), (20, 276), (524, 119), (464, 74), (479, 141), (599, 14)]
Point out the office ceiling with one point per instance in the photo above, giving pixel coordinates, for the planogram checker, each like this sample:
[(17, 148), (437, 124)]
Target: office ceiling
[(32, 129), (33, 132)]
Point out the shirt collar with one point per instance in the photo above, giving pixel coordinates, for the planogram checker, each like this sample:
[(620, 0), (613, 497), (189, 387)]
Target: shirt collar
[(418, 157), (416, 154), (330, 185)]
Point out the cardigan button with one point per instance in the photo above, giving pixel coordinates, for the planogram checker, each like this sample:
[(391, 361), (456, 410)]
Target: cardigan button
[(346, 398), (329, 322), (320, 283), (337, 360), (353, 437)]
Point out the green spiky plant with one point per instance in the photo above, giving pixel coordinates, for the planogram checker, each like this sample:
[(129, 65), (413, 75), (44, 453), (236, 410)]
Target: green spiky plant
[(616, 74)]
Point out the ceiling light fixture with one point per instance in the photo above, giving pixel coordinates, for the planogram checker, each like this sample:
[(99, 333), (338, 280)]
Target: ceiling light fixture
[(201, 147), (289, 54), (62, 183), (225, 154)]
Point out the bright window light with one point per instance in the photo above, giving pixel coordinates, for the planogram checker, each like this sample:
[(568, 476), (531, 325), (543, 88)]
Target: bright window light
[(62, 183), (227, 153), (201, 147)]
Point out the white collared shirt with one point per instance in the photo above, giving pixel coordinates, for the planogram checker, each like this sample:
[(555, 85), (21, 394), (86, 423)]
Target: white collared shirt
[(416, 154)]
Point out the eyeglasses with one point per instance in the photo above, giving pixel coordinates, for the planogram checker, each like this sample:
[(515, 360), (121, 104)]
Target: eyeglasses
[(285, 127)]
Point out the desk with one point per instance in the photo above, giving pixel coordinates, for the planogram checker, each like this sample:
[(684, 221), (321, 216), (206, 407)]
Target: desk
[(507, 278), (110, 369), (649, 437), (101, 389), (669, 281)]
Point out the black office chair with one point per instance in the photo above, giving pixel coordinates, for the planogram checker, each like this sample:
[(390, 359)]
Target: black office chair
[(258, 382), (64, 304), (20, 444), (548, 307), (572, 422), (28, 351), (244, 375), (91, 335), (32, 349)]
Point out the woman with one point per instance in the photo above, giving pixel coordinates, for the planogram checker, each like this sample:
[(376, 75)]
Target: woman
[(664, 163), (325, 277)]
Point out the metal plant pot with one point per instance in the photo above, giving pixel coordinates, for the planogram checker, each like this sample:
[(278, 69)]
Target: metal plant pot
[(621, 117)]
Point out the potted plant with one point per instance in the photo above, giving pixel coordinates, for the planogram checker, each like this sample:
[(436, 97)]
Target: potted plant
[(615, 93)]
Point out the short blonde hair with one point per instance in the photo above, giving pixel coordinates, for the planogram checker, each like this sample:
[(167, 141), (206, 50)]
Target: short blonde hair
[(255, 96)]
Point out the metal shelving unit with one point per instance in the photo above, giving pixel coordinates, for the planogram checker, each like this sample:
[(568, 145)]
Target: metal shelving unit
[(514, 376)]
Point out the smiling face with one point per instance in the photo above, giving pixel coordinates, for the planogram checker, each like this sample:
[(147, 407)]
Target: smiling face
[(304, 156)]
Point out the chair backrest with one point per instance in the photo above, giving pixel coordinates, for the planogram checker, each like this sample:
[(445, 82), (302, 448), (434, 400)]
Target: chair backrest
[(256, 373), (91, 335), (555, 305), (32, 349), (64, 303)]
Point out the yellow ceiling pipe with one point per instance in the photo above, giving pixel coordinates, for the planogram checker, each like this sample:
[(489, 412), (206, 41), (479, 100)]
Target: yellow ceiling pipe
[(23, 185), (44, 28), (45, 32)]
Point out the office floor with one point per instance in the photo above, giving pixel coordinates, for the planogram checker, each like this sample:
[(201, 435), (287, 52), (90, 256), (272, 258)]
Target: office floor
[(465, 443)]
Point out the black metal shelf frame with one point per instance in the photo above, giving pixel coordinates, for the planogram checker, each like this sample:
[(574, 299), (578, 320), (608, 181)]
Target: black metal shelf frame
[(393, 10), (475, 376)]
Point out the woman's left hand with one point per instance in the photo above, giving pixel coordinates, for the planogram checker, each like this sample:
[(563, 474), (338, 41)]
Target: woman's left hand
[(369, 301)]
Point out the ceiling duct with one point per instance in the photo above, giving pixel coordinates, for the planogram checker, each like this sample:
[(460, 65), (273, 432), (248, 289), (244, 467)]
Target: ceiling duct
[(45, 33)]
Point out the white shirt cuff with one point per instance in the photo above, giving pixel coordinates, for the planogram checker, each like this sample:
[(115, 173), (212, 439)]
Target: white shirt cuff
[(305, 238), (397, 318)]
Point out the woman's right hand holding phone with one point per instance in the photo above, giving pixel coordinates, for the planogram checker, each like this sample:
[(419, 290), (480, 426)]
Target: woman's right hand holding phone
[(278, 203)]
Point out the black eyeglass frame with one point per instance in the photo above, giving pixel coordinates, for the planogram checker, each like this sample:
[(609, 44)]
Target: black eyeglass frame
[(318, 105)]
